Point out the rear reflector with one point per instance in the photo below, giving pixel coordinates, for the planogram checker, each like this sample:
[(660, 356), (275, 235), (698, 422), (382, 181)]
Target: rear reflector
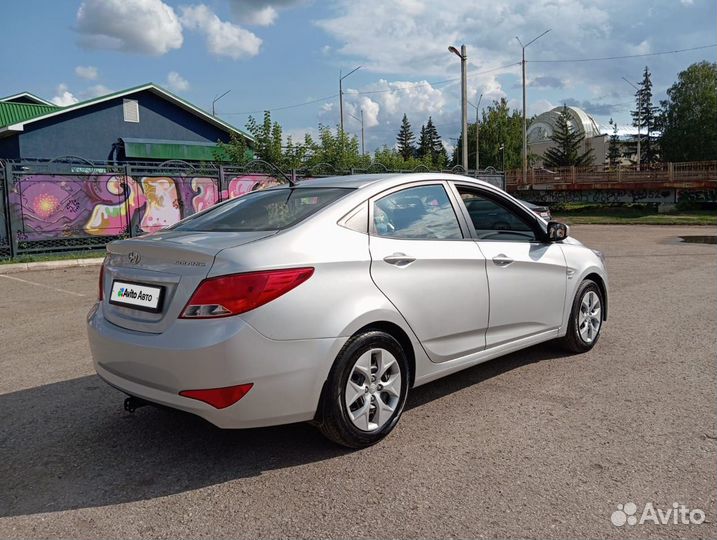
[(224, 296), (219, 398)]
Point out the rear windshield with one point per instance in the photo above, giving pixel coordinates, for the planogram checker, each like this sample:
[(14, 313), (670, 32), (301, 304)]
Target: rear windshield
[(268, 210)]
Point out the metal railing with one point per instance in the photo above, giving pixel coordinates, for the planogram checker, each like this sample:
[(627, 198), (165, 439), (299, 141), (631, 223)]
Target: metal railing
[(657, 173)]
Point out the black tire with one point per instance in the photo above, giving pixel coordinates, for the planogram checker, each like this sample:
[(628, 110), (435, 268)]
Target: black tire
[(573, 341), (334, 421)]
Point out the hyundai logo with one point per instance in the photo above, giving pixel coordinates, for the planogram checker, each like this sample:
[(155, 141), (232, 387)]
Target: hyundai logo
[(134, 257)]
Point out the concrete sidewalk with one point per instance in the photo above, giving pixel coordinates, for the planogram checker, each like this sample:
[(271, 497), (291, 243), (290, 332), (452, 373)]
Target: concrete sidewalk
[(49, 265)]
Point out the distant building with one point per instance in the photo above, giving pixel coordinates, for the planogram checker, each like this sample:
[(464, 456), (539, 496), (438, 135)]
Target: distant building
[(542, 127), (146, 123)]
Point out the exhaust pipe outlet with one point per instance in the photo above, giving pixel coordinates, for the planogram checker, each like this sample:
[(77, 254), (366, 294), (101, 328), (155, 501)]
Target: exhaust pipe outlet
[(132, 403)]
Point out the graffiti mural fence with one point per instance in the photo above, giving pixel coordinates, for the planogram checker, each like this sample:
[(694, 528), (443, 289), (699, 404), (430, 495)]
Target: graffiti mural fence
[(72, 204), (61, 206), (5, 247)]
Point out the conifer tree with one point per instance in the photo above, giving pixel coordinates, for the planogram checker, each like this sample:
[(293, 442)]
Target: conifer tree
[(568, 141), (405, 140)]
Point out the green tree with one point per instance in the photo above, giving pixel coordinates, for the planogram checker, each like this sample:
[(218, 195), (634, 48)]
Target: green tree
[(431, 146), (613, 150), (268, 137), (646, 115), (339, 150), (567, 150), (236, 151), (499, 125), (405, 139), (689, 115)]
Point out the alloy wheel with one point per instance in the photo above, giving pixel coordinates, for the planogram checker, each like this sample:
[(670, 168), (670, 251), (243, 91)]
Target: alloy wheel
[(589, 317), (373, 389)]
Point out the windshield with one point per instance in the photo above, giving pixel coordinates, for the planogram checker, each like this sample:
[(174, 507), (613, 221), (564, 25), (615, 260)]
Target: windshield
[(268, 210)]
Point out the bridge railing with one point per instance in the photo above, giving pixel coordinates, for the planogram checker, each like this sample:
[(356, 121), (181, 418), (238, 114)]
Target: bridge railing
[(655, 173)]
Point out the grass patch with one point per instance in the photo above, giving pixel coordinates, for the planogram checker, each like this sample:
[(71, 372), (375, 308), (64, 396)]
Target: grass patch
[(42, 257), (632, 214)]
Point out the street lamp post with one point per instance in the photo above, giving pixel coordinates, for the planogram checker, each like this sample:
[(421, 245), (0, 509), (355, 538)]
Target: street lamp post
[(525, 122), (464, 104), (217, 99), (502, 156), (477, 108), (341, 95), (639, 119)]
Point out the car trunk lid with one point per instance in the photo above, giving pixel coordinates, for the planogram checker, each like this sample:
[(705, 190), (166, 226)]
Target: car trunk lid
[(174, 261)]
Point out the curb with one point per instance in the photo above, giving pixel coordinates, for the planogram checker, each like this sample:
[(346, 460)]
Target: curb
[(49, 265)]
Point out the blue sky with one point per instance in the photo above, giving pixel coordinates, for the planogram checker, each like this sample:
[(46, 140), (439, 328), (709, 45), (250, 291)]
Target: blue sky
[(278, 53)]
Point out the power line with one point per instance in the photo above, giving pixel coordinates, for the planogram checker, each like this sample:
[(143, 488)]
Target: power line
[(620, 57), (284, 107), (436, 83), (471, 75)]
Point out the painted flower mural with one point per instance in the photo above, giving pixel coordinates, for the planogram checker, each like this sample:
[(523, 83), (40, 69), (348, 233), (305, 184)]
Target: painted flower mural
[(52, 206)]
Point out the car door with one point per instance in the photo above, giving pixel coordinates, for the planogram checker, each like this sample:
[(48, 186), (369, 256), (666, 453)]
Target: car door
[(527, 275), (427, 265)]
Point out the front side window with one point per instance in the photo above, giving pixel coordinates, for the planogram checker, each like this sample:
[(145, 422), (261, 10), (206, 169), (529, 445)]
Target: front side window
[(493, 221), (419, 213), (269, 210)]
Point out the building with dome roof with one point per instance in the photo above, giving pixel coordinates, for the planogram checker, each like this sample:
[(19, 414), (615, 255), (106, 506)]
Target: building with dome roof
[(542, 126)]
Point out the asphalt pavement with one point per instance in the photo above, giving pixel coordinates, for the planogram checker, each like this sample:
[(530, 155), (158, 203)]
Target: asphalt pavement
[(538, 444)]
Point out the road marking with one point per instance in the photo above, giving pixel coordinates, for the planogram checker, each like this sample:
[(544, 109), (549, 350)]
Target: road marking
[(42, 285)]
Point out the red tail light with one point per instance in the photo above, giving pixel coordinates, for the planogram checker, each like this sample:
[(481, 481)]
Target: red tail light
[(225, 296), (219, 398), (101, 291)]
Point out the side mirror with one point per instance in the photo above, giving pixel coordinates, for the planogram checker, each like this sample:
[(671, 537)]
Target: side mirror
[(557, 231)]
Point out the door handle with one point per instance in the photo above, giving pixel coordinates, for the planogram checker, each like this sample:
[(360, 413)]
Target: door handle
[(399, 259), (502, 260)]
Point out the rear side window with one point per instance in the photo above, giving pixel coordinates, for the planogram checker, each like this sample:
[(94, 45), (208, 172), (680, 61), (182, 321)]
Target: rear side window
[(419, 213), (268, 210)]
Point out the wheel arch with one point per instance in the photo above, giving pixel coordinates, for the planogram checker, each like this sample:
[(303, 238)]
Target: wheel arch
[(400, 335), (600, 282), (392, 329)]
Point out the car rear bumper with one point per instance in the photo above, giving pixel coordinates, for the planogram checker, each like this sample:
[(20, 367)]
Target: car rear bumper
[(287, 376)]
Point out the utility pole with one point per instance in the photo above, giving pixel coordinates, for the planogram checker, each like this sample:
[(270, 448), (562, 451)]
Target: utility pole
[(464, 104), (217, 99), (363, 138), (639, 120), (477, 108), (341, 95), (525, 121), (363, 147)]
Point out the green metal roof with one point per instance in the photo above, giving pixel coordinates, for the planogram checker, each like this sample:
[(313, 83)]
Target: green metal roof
[(168, 149), (12, 113)]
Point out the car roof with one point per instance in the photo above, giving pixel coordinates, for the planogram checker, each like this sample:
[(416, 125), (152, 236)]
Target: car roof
[(358, 181)]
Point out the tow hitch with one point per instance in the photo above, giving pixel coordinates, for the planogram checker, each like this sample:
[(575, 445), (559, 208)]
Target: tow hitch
[(132, 403)]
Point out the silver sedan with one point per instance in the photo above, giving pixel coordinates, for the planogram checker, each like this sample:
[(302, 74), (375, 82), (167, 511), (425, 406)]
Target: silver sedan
[(327, 301)]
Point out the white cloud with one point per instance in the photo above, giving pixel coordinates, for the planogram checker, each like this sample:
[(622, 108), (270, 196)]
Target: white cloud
[(384, 104), (412, 36), (176, 82), (259, 12), (539, 107), (64, 97), (223, 38), (139, 26), (262, 17), (87, 72), (96, 90)]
